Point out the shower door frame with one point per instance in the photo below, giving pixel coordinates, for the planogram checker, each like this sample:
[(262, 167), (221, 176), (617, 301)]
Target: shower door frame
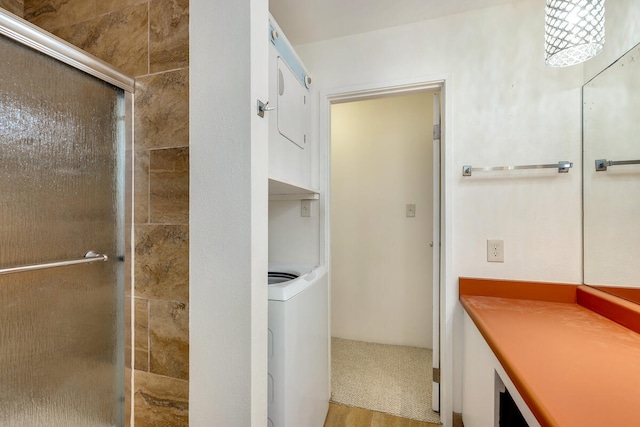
[(32, 36)]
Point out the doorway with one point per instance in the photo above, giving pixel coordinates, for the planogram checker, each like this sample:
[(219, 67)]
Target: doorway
[(384, 234)]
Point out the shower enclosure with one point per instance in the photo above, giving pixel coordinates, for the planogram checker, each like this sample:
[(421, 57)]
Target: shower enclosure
[(64, 227)]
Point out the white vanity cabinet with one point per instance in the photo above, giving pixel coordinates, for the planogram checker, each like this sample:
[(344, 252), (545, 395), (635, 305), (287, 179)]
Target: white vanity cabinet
[(483, 378)]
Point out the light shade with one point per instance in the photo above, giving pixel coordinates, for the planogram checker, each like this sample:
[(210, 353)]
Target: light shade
[(574, 31)]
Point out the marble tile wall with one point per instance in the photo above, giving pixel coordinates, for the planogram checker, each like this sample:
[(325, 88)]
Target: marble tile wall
[(148, 39), (14, 6)]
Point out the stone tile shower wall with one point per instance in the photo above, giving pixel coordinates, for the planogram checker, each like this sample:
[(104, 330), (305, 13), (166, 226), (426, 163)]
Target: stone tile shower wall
[(149, 40), (14, 6)]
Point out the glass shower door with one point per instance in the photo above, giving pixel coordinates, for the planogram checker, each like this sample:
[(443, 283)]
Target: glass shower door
[(61, 195)]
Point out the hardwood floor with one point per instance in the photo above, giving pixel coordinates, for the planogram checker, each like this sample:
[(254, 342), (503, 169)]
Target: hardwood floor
[(345, 416)]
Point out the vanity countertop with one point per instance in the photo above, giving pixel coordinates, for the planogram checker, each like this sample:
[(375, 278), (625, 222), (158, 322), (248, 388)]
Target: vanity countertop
[(571, 365)]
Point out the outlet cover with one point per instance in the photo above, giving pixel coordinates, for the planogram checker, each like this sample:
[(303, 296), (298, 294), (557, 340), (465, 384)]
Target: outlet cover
[(495, 250), (305, 208)]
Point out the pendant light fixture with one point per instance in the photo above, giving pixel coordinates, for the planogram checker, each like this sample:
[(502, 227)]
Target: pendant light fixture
[(574, 31)]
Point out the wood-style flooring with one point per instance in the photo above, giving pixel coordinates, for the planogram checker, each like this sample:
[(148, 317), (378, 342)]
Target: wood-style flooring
[(345, 416)]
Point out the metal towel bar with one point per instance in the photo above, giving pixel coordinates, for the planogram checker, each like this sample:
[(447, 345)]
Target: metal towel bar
[(602, 164), (90, 256), (562, 166)]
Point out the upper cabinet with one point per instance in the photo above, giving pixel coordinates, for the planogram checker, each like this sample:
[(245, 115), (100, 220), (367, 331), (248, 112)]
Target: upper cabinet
[(290, 153)]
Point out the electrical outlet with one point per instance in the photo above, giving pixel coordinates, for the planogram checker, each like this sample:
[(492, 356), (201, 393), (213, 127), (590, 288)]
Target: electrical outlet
[(495, 250), (305, 208)]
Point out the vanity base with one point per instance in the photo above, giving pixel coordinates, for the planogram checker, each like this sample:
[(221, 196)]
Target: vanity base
[(571, 365)]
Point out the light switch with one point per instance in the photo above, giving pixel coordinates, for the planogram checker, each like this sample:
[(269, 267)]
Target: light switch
[(411, 210)]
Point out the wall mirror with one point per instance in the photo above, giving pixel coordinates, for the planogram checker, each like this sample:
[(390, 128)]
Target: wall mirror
[(611, 177)]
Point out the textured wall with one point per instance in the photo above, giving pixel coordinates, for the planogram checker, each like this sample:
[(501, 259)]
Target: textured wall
[(14, 6), (149, 40), (502, 106), (622, 27)]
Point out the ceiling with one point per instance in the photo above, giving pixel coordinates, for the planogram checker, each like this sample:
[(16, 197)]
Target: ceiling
[(306, 21)]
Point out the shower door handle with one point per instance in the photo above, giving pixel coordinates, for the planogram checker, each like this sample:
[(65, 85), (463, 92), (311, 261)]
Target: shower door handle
[(90, 256)]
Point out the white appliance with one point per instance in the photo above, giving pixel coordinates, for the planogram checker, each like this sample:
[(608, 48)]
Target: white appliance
[(289, 122), (298, 346)]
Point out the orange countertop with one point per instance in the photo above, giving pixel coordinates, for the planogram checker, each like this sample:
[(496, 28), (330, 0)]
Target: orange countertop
[(571, 365)]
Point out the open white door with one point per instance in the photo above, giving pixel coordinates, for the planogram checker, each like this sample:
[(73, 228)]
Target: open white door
[(435, 392)]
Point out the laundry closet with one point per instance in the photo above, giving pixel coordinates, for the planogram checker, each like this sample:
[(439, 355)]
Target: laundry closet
[(298, 366)]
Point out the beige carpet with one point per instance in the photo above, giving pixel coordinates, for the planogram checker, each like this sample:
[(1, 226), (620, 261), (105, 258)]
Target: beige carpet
[(384, 378)]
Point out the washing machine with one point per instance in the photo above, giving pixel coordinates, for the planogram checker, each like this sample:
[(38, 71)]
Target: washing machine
[(298, 366)]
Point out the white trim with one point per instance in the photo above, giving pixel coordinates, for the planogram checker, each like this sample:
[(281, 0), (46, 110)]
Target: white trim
[(448, 283), (376, 90), (437, 208)]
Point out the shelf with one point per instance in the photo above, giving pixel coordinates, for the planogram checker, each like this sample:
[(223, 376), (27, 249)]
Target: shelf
[(279, 190)]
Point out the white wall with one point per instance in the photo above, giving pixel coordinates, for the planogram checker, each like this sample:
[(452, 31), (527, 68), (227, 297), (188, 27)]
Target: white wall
[(228, 214), (622, 28), (382, 275), (293, 239), (504, 107)]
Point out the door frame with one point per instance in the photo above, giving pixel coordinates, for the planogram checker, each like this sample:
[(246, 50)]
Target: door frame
[(377, 90)]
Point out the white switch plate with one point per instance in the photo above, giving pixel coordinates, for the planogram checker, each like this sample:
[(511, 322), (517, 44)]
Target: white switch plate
[(305, 208), (495, 250), (411, 210)]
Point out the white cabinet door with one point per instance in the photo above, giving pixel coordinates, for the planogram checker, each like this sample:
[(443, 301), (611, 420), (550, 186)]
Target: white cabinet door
[(478, 379)]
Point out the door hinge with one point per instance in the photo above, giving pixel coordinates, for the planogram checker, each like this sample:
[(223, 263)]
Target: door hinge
[(436, 375), (436, 131)]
